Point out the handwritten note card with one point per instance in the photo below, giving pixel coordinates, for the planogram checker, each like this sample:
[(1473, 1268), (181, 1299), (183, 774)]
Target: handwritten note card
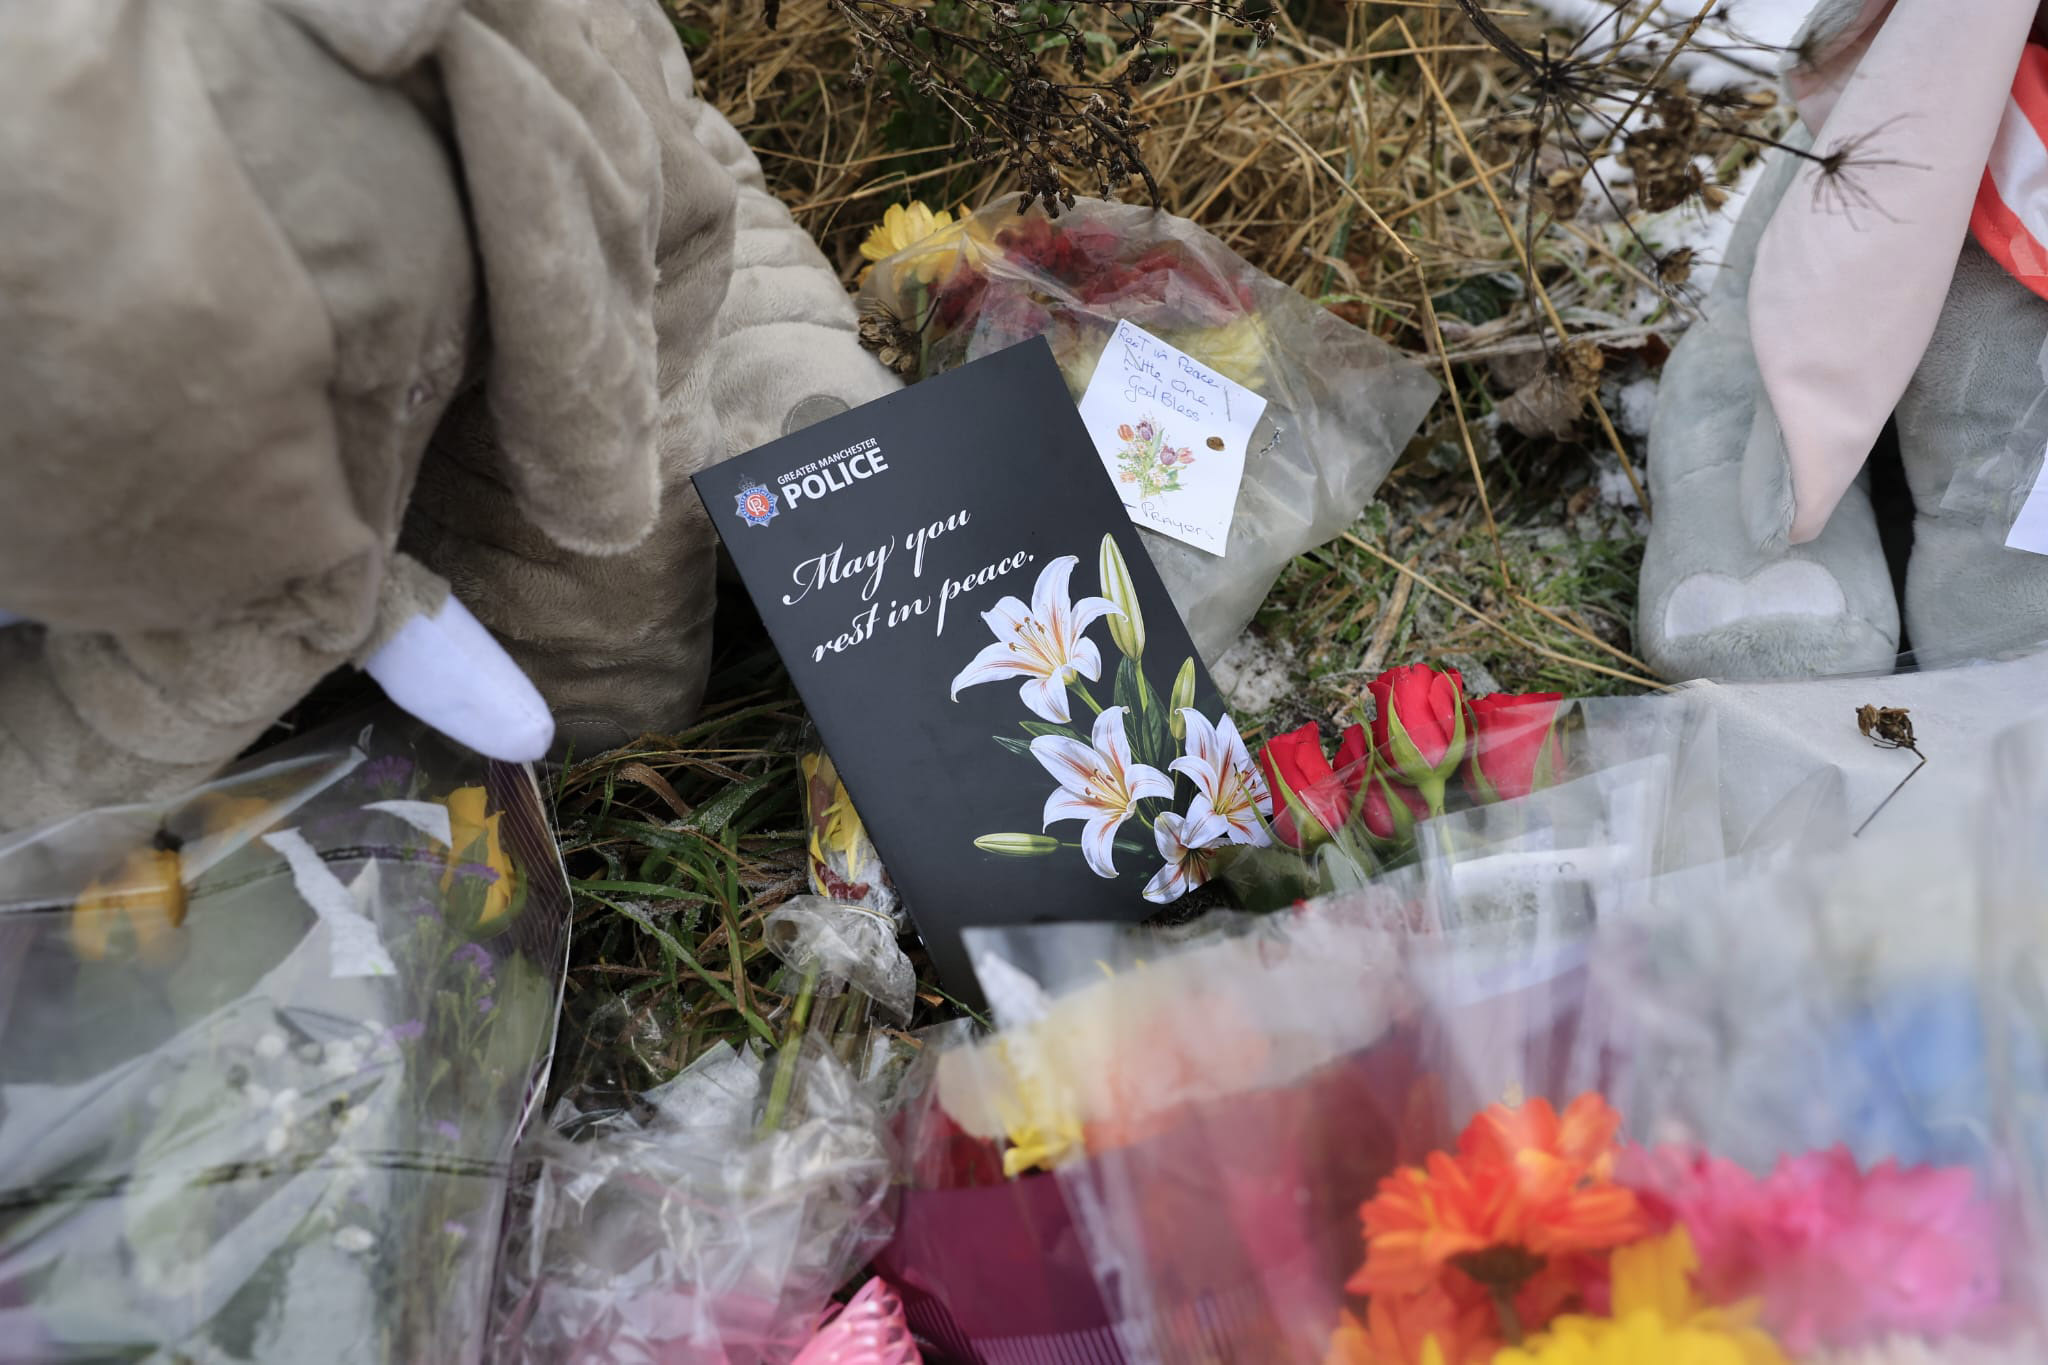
[(1172, 433)]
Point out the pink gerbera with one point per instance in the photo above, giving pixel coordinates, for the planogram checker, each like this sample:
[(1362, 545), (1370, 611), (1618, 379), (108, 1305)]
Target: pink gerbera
[(1839, 1256)]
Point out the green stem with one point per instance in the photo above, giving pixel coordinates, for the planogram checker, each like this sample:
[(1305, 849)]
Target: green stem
[(1082, 689), (792, 1046), (1510, 1321)]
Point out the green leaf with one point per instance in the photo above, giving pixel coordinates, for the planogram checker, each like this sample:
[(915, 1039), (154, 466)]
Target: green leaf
[(716, 815), (1014, 744), (1144, 716), (1039, 727)]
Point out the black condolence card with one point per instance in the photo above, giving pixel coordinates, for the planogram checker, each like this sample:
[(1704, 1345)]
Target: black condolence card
[(993, 664)]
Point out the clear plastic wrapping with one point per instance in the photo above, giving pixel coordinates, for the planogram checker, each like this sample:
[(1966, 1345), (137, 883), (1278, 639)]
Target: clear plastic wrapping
[(1341, 404), (1613, 1072), (264, 1054), (695, 1228)]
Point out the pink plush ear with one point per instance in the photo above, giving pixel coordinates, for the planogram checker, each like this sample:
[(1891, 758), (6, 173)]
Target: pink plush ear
[(1853, 270)]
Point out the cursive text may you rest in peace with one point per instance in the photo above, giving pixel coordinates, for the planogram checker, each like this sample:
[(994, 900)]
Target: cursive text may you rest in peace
[(868, 567)]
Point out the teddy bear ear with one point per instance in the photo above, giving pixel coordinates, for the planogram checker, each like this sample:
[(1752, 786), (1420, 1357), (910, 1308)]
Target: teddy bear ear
[(1825, 52), (445, 668)]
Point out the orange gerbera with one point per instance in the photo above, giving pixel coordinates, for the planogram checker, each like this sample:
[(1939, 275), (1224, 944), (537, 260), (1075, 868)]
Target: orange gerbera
[(1527, 1191), (1417, 1329)]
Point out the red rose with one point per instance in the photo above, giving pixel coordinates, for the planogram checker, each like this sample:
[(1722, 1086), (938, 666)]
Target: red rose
[(1514, 748), (1391, 807), (1418, 727), (1302, 779)]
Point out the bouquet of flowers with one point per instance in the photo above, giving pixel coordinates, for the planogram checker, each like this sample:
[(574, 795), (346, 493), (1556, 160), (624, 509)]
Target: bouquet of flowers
[(1708, 1107), (264, 1053), (1341, 404)]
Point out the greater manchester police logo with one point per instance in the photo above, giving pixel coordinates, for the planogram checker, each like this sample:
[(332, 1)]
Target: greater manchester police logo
[(756, 505)]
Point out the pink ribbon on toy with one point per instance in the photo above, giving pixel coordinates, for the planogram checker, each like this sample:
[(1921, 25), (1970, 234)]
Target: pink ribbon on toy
[(1855, 266)]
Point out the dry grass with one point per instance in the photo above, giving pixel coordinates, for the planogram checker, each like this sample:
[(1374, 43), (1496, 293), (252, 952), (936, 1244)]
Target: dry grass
[(1347, 158)]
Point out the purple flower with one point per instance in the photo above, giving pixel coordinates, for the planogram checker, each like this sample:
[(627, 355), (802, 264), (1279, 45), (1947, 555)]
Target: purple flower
[(455, 1230), (1145, 430), (483, 872), (447, 1129), (477, 956), (392, 770), (486, 1005), (407, 1032)]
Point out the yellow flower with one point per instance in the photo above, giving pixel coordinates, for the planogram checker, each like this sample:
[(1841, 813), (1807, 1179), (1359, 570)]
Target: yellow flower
[(1237, 351), (147, 888), (905, 226), (1042, 1127), (148, 891), (836, 819), (474, 844), (1658, 1316)]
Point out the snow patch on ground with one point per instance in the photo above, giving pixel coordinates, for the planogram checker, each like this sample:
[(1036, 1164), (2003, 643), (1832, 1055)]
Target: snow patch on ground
[(1255, 674), (1745, 53), (1638, 406)]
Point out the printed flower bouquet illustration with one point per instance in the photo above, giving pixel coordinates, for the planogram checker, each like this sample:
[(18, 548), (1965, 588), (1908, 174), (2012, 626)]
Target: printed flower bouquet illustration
[(1149, 460), (1164, 765)]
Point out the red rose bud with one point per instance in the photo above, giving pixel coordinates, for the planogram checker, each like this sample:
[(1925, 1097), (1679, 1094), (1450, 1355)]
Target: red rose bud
[(1312, 800), (1392, 807), (1418, 727), (1514, 747)]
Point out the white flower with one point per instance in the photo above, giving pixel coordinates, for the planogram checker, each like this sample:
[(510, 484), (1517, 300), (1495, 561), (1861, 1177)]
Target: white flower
[(275, 1141), (284, 1101), (1188, 843), (1221, 768), (342, 1059), (1101, 784), (1042, 643), (256, 1095), (353, 1239), (271, 1046)]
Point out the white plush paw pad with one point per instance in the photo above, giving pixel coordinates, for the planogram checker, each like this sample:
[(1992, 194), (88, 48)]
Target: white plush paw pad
[(1708, 602)]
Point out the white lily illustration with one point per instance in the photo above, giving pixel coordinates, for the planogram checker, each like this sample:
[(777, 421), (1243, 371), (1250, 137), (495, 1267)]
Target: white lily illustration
[(1221, 768), (1188, 843), (1042, 643), (1100, 783)]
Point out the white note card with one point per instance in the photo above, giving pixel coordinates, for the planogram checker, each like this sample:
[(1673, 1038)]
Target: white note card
[(2030, 528), (1173, 434)]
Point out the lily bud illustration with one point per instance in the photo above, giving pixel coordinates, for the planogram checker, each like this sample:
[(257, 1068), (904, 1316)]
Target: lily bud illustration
[(1418, 729), (1183, 697), (1018, 845), (1128, 630)]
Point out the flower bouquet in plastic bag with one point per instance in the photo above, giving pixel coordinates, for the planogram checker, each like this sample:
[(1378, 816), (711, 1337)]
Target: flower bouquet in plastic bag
[(709, 1219), (1429, 750), (1126, 1047), (1766, 1141), (1340, 404), (264, 1053)]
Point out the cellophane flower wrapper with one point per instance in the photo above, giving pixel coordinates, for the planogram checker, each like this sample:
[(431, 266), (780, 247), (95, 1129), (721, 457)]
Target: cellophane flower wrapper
[(1207, 1100), (2014, 972), (694, 1226), (1810, 1072), (264, 1053), (1627, 786), (1341, 404)]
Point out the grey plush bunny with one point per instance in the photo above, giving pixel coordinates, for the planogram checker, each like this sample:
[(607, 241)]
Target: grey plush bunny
[(313, 309), (1881, 278)]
